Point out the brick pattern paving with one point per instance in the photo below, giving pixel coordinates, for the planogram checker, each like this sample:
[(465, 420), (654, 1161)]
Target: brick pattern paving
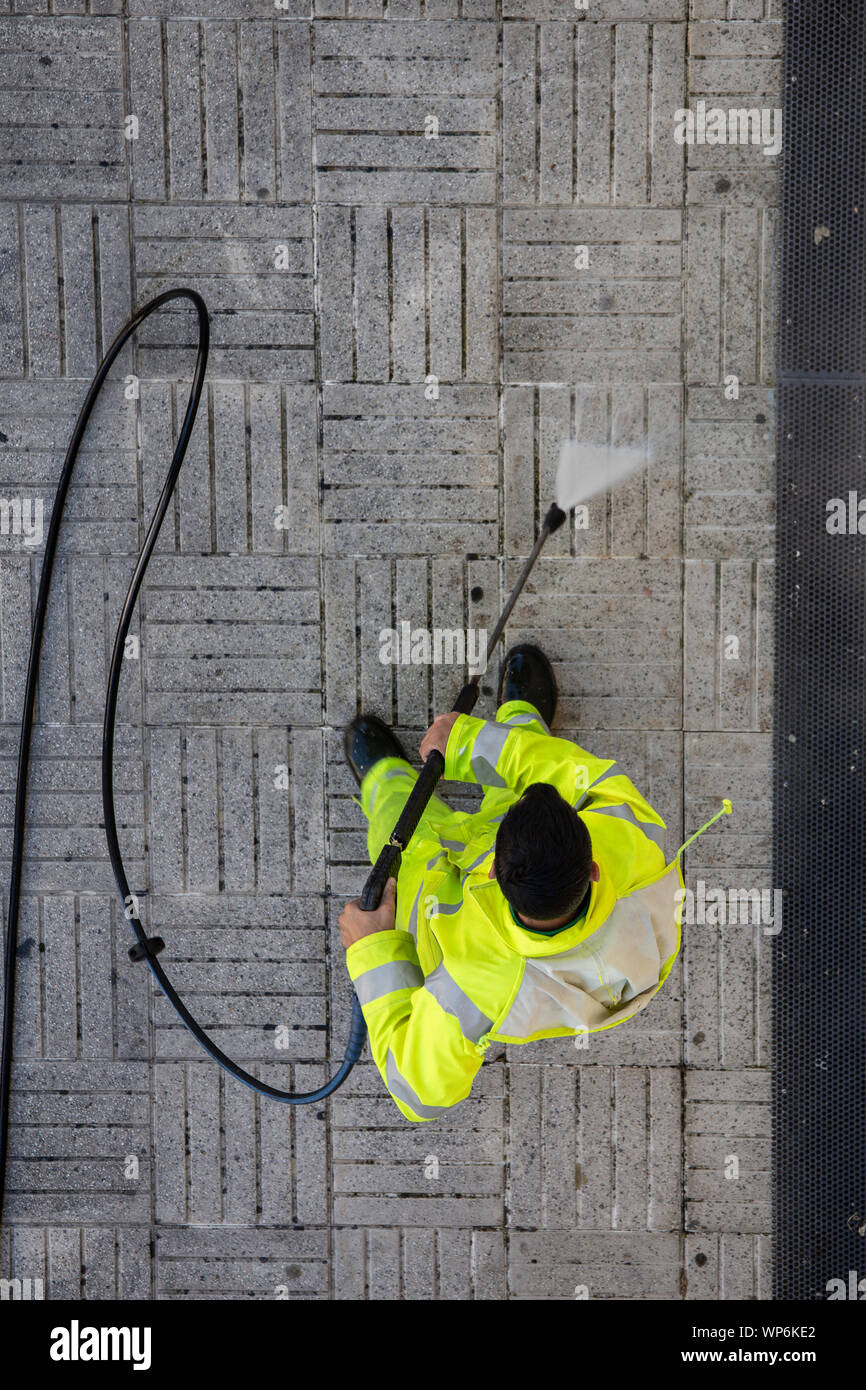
[(382, 204)]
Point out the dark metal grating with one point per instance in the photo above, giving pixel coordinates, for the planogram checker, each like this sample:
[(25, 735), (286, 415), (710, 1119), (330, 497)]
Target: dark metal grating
[(819, 830)]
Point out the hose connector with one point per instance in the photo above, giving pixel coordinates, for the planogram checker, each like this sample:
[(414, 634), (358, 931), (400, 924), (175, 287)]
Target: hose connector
[(153, 946)]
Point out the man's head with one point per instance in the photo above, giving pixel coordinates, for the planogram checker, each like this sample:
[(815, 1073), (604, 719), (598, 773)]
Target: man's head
[(543, 861)]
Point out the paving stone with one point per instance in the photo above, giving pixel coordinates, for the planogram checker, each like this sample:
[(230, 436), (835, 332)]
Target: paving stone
[(265, 506), (569, 313), (728, 643), (727, 1190), (728, 948), (406, 9), (728, 1267), (223, 1264), (588, 110), (617, 658), (65, 843), (64, 299), (209, 1167), (730, 502), (262, 999), (601, 9), (100, 518), (63, 119), (232, 779), (419, 1263), (253, 266), (48, 1180), (425, 66), (730, 318), (407, 294), (228, 673), (375, 441), (735, 66), (223, 108), (88, 1262), (450, 1173), (361, 599), (641, 517), (562, 1177), (599, 1265)]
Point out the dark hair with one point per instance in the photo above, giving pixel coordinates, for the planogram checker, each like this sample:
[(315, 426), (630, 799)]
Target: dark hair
[(543, 855)]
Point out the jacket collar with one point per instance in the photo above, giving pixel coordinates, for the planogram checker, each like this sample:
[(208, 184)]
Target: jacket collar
[(489, 897)]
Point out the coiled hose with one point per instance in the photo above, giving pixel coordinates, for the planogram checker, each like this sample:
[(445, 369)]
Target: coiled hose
[(146, 948)]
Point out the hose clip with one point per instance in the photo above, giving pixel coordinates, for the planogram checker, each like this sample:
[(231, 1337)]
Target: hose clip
[(153, 946)]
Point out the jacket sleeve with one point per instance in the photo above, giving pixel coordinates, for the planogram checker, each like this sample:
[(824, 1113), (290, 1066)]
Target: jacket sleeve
[(499, 755), (425, 1061)]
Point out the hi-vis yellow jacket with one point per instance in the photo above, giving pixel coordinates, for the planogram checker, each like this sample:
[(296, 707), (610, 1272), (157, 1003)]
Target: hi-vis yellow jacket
[(457, 972)]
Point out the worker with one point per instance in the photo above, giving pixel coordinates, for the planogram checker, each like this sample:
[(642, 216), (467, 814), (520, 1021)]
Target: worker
[(550, 912)]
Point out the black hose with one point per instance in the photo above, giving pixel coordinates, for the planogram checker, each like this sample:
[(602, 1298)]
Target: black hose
[(146, 948)]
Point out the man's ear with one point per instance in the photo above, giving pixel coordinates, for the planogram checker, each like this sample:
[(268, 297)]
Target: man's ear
[(492, 871), (594, 873)]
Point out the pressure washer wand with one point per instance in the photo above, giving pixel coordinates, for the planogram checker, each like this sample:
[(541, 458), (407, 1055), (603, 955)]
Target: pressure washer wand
[(388, 863)]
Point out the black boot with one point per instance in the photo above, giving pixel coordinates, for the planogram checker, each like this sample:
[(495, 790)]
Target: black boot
[(528, 675), (368, 740)]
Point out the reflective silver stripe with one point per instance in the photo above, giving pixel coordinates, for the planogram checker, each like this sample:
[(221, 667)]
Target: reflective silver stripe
[(435, 859), (656, 833), (457, 845), (479, 860), (525, 718), (488, 745), (448, 994), (412, 924), (448, 909), (399, 1087), (384, 979), (612, 771), (440, 910)]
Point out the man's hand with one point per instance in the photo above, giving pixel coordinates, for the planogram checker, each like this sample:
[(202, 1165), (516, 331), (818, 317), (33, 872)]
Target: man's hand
[(437, 735), (355, 923)]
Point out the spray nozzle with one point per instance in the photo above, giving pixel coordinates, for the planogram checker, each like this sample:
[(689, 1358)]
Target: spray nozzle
[(554, 519)]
